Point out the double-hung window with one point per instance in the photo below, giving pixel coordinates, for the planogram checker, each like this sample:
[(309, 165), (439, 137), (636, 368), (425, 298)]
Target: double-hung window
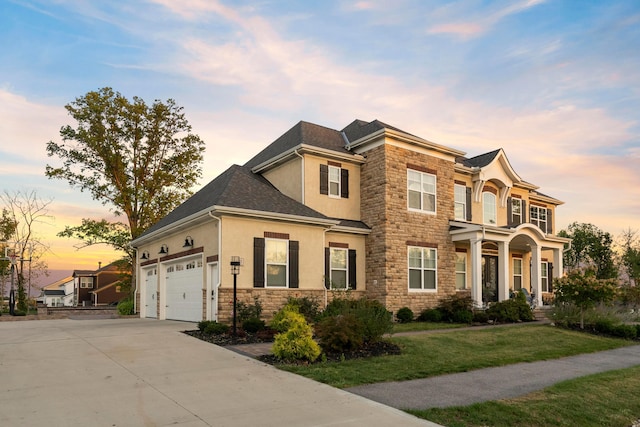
[(423, 263), (334, 181), (86, 282), (421, 189), (460, 202), (489, 208), (517, 273), (538, 217), (338, 268), (461, 270), (276, 257), (516, 210), (544, 276)]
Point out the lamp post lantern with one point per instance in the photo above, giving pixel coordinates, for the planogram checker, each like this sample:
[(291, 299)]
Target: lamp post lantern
[(236, 263)]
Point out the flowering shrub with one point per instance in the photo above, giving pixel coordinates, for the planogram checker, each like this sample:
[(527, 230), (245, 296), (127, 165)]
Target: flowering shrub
[(583, 290)]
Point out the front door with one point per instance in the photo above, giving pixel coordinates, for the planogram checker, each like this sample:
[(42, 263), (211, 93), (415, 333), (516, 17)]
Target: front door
[(489, 278)]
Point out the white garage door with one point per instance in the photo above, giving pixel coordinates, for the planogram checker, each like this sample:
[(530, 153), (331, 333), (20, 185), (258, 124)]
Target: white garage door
[(184, 290), (151, 293)]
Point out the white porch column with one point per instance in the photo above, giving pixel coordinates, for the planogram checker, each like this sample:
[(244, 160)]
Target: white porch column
[(503, 271), (536, 283), (476, 272), (558, 266)]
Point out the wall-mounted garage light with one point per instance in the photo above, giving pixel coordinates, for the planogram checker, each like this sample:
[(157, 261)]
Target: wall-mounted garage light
[(188, 242), (145, 255), (164, 249)]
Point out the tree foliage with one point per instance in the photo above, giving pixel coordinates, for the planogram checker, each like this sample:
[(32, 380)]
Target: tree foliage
[(630, 256), (139, 159), (591, 248), (584, 290)]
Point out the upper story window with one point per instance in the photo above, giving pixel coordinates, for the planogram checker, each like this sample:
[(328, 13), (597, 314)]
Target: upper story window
[(489, 208), (86, 282), (517, 211), (334, 180), (538, 215), (423, 267), (421, 189), (460, 200)]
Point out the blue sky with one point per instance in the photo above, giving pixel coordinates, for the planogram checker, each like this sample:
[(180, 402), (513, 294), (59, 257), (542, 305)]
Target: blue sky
[(554, 83)]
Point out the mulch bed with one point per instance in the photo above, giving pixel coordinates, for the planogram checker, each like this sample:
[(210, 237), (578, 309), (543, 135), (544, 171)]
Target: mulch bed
[(379, 348)]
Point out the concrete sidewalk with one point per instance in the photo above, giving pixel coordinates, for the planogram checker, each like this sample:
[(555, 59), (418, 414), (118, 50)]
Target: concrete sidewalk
[(482, 385), (141, 372)]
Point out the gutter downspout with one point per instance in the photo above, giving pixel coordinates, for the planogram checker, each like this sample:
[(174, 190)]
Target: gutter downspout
[(217, 285), (137, 275), (324, 285), (301, 172)]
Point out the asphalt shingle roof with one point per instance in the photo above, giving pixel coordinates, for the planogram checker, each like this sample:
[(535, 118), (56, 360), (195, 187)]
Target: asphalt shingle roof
[(479, 161), (237, 187), (360, 128)]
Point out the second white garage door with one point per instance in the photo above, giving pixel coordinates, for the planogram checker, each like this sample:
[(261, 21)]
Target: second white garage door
[(184, 290)]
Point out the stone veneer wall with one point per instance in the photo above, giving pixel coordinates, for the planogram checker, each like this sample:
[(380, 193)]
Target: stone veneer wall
[(272, 300), (384, 209)]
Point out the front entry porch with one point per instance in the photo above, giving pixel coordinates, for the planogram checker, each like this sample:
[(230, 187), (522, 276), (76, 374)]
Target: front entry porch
[(491, 252)]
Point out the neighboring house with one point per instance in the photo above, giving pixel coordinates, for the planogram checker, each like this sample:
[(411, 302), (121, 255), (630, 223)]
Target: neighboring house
[(98, 287), (58, 294), (370, 208)]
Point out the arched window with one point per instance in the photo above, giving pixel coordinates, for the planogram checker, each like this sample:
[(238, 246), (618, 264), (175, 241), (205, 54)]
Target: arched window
[(489, 208)]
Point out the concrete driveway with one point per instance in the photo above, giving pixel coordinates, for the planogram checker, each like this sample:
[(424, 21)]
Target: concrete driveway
[(141, 372)]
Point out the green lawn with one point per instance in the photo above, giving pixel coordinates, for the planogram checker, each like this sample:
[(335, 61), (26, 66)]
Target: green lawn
[(607, 399), (425, 326), (458, 351)]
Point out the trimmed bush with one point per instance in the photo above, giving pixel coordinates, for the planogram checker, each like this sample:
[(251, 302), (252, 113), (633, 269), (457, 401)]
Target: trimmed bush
[(296, 342), (430, 315), (453, 306), (215, 328), (253, 325), (404, 315), (125, 307), (246, 311), (627, 332), (281, 321), (480, 316), (337, 334), (309, 307), (512, 310)]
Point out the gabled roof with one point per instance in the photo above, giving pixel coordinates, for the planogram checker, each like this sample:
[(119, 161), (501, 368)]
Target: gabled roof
[(58, 283), (479, 161), (303, 133), (237, 187), (360, 128), (113, 266)]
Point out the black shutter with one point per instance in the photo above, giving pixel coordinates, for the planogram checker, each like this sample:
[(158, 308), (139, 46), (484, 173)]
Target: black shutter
[(549, 221), (258, 262), (510, 221), (294, 262), (351, 266), (344, 183), (327, 272), (324, 179), (524, 212), (550, 276), (468, 203)]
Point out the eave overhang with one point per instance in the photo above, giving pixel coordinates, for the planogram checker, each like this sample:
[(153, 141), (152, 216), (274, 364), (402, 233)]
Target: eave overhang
[(306, 149)]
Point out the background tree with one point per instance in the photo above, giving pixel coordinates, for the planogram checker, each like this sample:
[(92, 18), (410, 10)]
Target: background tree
[(630, 257), (22, 213), (141, 160), (591, 248), (7, 229)]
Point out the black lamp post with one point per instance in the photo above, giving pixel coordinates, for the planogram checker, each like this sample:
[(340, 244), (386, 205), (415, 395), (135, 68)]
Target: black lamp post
[(12, 294), (236, 262)]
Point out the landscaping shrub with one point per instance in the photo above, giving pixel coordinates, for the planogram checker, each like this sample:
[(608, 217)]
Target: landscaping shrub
[(337, 334), (253, 325), (512, 310), (203, 324), (622, 330), (215, 328), (245, 311), (309, 307), (374, 318), (125, 307), (456, 304), (282, 320), (296, 341), (462, 316), (404, 315), (480, 316), (430, 315)]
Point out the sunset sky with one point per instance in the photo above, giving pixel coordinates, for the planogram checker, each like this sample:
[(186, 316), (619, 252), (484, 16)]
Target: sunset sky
[(554, 83)]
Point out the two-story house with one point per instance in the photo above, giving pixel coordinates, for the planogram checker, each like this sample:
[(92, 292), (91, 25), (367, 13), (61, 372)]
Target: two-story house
[(369, 208), (98, 287)]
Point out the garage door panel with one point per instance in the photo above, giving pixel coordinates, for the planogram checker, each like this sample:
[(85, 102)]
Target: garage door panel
[(184, 291), (151, 294)]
